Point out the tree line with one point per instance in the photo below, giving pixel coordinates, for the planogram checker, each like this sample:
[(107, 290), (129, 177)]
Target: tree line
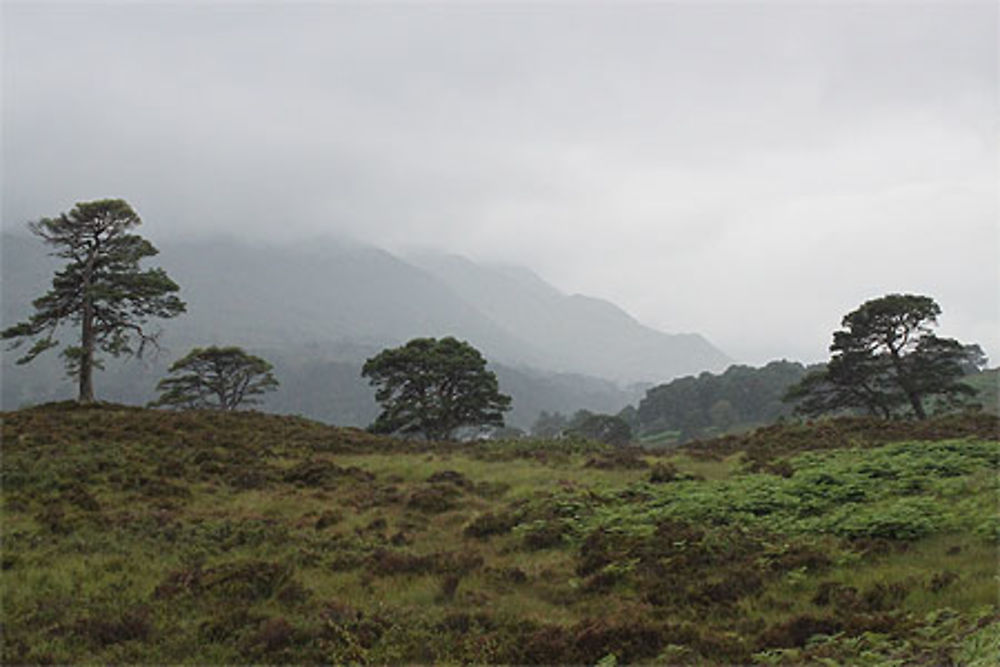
[(609, 429), (885, 360), (426, 387), (709, 404)]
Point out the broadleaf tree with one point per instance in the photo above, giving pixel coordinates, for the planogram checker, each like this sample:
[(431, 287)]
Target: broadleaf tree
[(887, 359), (549, 425), (101, 290), (609, 429), (432, 387), (218, 378)]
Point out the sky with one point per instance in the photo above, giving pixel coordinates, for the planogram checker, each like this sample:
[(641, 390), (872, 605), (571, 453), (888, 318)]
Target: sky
[(751, 171)]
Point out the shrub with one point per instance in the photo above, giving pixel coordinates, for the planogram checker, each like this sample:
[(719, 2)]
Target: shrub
[(797, 631), (314, 474), (450, 477), (245, 581), (489, 524), (904, 519), (130, 624), (434, 499), (545, 534), (663, 473)]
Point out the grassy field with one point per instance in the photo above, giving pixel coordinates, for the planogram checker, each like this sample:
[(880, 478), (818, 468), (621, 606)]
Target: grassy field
[(132, 535)]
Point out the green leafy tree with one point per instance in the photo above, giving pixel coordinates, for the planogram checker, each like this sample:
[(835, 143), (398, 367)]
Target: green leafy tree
[(101, 289), (432, 387), (631, 417), (219, 378), (849, 382), (609, 429), (740, 397), (549, 425), (886, 359), (723, 414)]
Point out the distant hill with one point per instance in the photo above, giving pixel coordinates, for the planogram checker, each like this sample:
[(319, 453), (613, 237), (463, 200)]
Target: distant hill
[(325, 295), (323, 307), (577, 333)]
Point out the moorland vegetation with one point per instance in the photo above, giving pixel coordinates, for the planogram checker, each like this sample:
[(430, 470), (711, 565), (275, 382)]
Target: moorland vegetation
[(146, 536)]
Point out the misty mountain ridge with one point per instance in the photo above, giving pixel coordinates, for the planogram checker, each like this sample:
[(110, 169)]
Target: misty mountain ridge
[(578, 333), (335, 301)]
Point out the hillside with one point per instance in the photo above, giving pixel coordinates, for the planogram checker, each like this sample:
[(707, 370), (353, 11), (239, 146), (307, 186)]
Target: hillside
[(579, 334), (154, 537), (743, 398), (332, 304)]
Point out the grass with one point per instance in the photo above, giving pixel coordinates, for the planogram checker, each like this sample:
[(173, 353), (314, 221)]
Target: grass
[(140, 536)]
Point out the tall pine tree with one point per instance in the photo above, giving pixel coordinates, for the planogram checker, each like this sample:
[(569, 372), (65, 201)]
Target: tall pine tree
[(886, 358), (101, 290)]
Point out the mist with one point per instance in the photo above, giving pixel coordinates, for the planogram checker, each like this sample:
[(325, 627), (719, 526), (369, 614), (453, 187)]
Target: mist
[(749, 172)]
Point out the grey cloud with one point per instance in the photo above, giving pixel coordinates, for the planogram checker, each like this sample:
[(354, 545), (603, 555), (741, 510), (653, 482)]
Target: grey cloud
[(748, 171)]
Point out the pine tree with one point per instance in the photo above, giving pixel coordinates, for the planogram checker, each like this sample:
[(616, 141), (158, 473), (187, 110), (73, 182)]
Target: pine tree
[(101, 290), (885, 358), (219, 378)]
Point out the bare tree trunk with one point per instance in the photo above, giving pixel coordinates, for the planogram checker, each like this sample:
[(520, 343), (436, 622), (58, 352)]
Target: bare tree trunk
[(87, 353), (914, 397), (86, 369)]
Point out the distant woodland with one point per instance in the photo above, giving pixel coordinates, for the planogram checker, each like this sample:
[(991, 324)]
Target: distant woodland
[(317, 312)]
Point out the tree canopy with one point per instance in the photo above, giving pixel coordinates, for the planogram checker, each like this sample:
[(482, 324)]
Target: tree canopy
[(886, 360), (101, 289), (710, 404), (609, 429), (219, 378), (549, 425), (431, 387)]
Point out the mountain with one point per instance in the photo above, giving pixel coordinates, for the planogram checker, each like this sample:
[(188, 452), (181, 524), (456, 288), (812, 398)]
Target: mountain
[(579, 334), (320, 294), (318, 309)]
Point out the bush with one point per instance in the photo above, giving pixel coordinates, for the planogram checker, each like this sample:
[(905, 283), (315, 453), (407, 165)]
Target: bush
[(904, 519), (489, 524), (245, 581), (434, 499)]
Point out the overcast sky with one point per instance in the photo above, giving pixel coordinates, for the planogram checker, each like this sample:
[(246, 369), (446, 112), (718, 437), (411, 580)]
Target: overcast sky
[(748, 171)]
